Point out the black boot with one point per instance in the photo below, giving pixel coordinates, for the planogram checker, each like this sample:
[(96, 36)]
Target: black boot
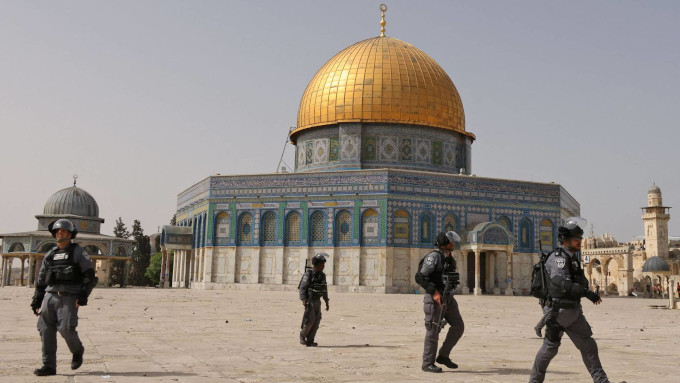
[(77, 360), (303, 341), (446, 362), (311, 343), (45, 371), (432, 368)]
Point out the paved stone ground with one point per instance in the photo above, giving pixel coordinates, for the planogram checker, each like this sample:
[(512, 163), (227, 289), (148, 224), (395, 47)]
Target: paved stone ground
[(154, 335)]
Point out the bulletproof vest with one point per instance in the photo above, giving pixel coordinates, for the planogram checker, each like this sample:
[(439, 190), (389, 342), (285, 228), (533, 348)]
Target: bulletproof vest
[(575, 273), (317, 284), (448, 265), (61, 268)]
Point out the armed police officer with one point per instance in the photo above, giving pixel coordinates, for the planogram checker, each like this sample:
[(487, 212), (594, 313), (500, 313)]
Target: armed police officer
[(567, 285), (437, 275), (312, 289), (64, 283)]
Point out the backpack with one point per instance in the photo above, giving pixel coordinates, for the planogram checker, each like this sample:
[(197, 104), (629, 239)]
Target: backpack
[(540, 279), (308, 269)]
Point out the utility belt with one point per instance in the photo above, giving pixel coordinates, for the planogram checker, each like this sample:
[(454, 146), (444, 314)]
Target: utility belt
[(61, 293), (557, 304)]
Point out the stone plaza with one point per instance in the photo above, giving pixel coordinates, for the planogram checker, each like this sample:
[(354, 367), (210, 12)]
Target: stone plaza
[(189, 335)]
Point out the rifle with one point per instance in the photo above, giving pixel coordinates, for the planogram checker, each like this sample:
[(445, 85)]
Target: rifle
[(451, 280)]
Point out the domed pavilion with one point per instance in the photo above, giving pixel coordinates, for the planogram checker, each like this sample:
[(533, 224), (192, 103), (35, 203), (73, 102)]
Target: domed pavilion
[(78, 206), (383, 162)]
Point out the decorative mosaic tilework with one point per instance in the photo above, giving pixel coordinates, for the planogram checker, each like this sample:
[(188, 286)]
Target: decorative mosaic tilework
[(344, 227), (370, 227), (460, 156), (368, 148), (334, 151), (320, 150), (423, 151), (437, 152), (388, 149), (300, 155), (349, 148), (309, 155), (448, 154), (406, 150)]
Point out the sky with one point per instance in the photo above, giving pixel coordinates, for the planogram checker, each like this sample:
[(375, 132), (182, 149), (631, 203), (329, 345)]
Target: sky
[(143, 99)]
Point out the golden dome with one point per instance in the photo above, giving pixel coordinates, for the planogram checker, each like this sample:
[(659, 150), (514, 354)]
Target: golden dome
[(381, 79)]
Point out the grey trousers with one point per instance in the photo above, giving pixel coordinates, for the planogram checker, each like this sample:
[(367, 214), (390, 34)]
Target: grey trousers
[(456, 328), (58, 313), (577, 328), (311, 319)]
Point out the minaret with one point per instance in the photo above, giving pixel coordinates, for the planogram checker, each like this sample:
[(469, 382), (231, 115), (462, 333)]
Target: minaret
[(655, 217)]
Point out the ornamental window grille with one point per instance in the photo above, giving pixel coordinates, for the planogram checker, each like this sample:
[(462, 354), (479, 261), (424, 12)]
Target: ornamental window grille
[(369, 225), (222, 228), (401, 226), (450, 222), (269, 227), (246, 228), (426, 229), (293, 227), (344, 227), (525, 234), (546, 232), (318, 229)]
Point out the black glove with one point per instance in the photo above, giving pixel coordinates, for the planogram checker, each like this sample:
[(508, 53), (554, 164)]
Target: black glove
[(36, 302), (592, 296), (82, 300)]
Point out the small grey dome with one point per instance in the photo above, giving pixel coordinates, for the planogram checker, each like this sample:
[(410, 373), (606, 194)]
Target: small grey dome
[(72, 201), (655, 264), (654, 189)]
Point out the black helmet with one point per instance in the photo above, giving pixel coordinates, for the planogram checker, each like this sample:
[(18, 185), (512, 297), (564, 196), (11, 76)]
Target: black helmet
[(444, 239), (62, 224), (320, 257), (571, 229)]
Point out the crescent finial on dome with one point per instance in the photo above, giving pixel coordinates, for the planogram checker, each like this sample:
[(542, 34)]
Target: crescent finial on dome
[(383, 8)]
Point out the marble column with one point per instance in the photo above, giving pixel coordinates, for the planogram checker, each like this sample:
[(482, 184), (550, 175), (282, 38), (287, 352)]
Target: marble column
[(163, 261), (23, 266), (477, 290)]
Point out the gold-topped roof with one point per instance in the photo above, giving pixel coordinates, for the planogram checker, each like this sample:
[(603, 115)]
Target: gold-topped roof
[(385, 80)]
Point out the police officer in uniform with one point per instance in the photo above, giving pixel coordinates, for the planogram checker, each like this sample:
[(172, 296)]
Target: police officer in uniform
[(434, 267), (312, 289), (568, 285), (64, 283)]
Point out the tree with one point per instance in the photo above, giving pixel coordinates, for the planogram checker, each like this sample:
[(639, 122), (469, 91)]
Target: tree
[(118, 268), (173, 220), (141, 256), (153, 272), (121, 231)]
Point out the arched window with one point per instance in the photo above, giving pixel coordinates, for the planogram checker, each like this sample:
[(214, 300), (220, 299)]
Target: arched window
[(426, 237), (526, 234), (245, 227), (293, 227), (92, 250), (546, 230), (45, 247), (268, 227), (16, 247), (222, 223), (369, 227), (505, 221), (317, 227), (401, 227), (343, 227), (450, 222)]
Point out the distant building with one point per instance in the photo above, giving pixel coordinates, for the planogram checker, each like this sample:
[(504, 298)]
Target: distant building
[(646, 261), (78, 206)]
